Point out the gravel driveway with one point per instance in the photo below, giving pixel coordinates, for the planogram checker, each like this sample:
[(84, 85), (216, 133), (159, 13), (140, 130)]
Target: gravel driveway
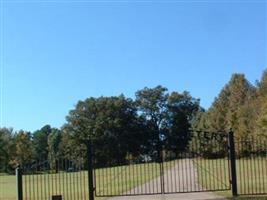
[(175, 179)]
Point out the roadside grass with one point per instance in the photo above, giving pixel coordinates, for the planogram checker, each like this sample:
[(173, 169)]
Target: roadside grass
[(251, 176)]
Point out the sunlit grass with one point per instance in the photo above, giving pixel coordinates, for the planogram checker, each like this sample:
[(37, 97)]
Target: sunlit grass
[(212, 174), (251, 175), (7, 187), (74, 185)]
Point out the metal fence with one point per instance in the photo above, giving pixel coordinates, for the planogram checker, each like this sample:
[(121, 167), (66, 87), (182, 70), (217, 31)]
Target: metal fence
[(251, 165), (200, 165), (68, 178), (202, 162), (43, 180)]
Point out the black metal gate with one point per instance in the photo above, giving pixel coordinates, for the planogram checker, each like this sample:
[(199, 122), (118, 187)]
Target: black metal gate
[(58, 179), (195, 162), (199, 164)]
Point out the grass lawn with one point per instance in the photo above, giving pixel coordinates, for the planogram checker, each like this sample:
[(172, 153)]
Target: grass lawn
[(7, 187), (251, 175), (212, 174), (74, 185), (117, 180)]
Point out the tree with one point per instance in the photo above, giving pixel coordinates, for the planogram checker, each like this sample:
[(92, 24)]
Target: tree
[(152, 105), (54, 140), (261, 104), (218, 112), (262, 85), (241, 92), (111, 122), (235, 108), (182, 111), (24, 150), (262, 118), (7, 152), (170, 117), (232, 108), (40, 142)]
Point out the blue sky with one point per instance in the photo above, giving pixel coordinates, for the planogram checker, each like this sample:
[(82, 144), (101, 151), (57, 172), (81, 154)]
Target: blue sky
[(57, 53)]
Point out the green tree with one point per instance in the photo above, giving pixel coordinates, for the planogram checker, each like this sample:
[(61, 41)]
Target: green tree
[(232, 108), (262, 85), (111, 122), (54, 140), (217, 114), (182, 111), (261, 106), (235, 108), (40, 142), (169, 117), (152, 105), (7, 152), (241, 92), (24, 150)]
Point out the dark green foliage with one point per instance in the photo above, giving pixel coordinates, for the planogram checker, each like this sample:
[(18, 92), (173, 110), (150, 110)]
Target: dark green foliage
[(124, 130), (113, 125), (40, 142), (152, 106), (170, 117), (182, 110), (54, 153), (7, 150)]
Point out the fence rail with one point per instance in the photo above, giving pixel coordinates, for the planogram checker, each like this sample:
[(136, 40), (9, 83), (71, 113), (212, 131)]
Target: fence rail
[(251, 165), (63, 178), (205, 162), (172, 169)]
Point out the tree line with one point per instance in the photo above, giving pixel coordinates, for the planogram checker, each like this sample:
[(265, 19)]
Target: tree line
[(121, 129), (124, 129), (240, 106)]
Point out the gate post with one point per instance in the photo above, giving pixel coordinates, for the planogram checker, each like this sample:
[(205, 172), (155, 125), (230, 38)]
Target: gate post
[(90, 170), (19, 183), (233, 163)]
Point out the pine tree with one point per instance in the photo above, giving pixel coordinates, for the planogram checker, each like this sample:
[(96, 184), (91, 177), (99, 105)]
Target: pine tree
[(261, 125), (232, 109)]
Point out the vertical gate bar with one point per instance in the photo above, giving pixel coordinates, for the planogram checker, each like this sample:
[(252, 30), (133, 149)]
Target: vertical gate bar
[(19, 183), (264, 159), (90, 170), (262, 166), (94, 181), (162, 177), (258, 163), (157, 181), (233, 163)]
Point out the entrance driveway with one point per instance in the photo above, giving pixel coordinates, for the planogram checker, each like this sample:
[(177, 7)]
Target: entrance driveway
[(184, 196), (175, 174)]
